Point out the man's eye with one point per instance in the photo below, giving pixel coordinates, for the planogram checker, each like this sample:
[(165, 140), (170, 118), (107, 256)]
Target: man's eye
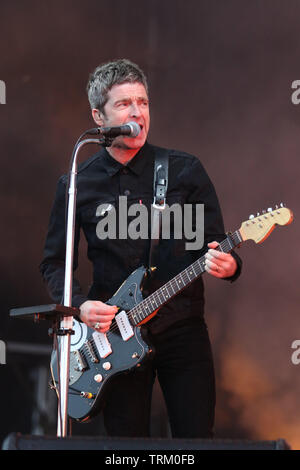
[(123, 104)]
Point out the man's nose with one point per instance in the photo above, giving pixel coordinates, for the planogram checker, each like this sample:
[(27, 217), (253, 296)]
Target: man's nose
[(135, 110)]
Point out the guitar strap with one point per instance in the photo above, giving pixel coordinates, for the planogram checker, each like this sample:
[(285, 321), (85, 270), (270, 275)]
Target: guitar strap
[(160, 187)]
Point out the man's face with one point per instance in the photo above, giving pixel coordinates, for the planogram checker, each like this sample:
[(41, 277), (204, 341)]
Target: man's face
[(126, 102)]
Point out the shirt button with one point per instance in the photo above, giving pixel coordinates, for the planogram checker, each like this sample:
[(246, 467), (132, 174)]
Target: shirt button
[(125, 171), (126, 192)]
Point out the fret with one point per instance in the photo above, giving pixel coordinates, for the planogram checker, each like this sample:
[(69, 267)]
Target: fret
[(140, 315), (159, 295), (193, 270), (225, 246), (238, 235), (201, 263), (165, 293), (179, 282), (175, 279), (230, 242), (182, 280), (197, 269), (170, 283), (186, 273), (134, 317), (152, 301), (146, 306), (175, 286)]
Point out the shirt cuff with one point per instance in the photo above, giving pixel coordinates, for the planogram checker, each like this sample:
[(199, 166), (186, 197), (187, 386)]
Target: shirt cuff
[(238, 271)]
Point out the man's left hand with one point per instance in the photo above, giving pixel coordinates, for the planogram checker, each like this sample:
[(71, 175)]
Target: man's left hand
[(219, 264)]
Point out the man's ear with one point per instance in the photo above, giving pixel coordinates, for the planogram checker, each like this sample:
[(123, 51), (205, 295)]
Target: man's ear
[(97, 116)]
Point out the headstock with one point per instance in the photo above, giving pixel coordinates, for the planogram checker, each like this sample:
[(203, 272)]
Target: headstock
[(259, 228)]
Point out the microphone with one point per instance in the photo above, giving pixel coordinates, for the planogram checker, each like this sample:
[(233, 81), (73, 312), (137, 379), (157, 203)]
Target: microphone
[(131, 129)]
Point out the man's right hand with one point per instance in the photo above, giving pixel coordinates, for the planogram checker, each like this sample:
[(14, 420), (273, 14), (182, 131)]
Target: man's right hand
[(97, 314)]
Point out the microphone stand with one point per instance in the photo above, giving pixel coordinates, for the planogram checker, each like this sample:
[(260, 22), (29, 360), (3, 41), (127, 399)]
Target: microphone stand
[(66, 323)]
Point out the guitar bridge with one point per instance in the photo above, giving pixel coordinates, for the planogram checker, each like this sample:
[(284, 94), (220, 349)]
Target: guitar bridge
[(79, 362), (91, 352)]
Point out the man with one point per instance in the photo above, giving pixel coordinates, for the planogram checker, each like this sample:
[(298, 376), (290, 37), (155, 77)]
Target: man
[(118, 94)]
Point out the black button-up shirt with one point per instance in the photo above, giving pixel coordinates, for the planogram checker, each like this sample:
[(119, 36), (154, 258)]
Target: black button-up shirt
[(101, 181)]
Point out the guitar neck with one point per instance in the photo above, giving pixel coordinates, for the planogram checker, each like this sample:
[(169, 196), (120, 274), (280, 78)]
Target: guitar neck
[(169, 290)]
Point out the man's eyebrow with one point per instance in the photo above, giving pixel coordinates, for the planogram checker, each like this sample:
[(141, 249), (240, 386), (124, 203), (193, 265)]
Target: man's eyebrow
[(129, 98)]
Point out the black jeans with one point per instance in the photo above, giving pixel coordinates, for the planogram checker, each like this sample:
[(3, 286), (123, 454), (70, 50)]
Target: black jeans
[(184, 367)]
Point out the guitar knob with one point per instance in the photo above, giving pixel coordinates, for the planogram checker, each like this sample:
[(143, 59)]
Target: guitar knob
[(98, 378), (106, 365)]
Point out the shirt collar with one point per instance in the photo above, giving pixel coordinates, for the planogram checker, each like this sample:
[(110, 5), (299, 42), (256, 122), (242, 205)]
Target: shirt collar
[(136, 164)]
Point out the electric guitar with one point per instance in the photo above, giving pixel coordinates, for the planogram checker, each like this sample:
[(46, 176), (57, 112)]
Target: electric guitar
[(95, 358)]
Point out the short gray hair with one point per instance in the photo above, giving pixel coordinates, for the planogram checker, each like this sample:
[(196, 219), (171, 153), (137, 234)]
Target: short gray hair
[(106, 75)]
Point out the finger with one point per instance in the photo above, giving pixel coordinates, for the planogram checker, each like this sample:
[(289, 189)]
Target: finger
[(225, 261), (101, 326), (213, 266), (104, 327), (103, 317), (213, 244), (104, 330), (213, 272), (101, 308), (218, 254), (100, 321)]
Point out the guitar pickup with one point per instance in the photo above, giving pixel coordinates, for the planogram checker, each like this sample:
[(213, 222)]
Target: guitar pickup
[(124, 325), (102, 344)]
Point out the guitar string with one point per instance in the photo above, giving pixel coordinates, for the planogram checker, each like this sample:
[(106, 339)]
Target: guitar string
[(155, 298), (148, 302), (224, 246)]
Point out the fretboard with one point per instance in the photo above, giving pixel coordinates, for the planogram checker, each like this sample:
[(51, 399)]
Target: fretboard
[(166, 292)]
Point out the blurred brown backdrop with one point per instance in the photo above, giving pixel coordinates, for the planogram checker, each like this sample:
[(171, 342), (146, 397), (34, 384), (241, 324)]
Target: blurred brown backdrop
[(220, 74)]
